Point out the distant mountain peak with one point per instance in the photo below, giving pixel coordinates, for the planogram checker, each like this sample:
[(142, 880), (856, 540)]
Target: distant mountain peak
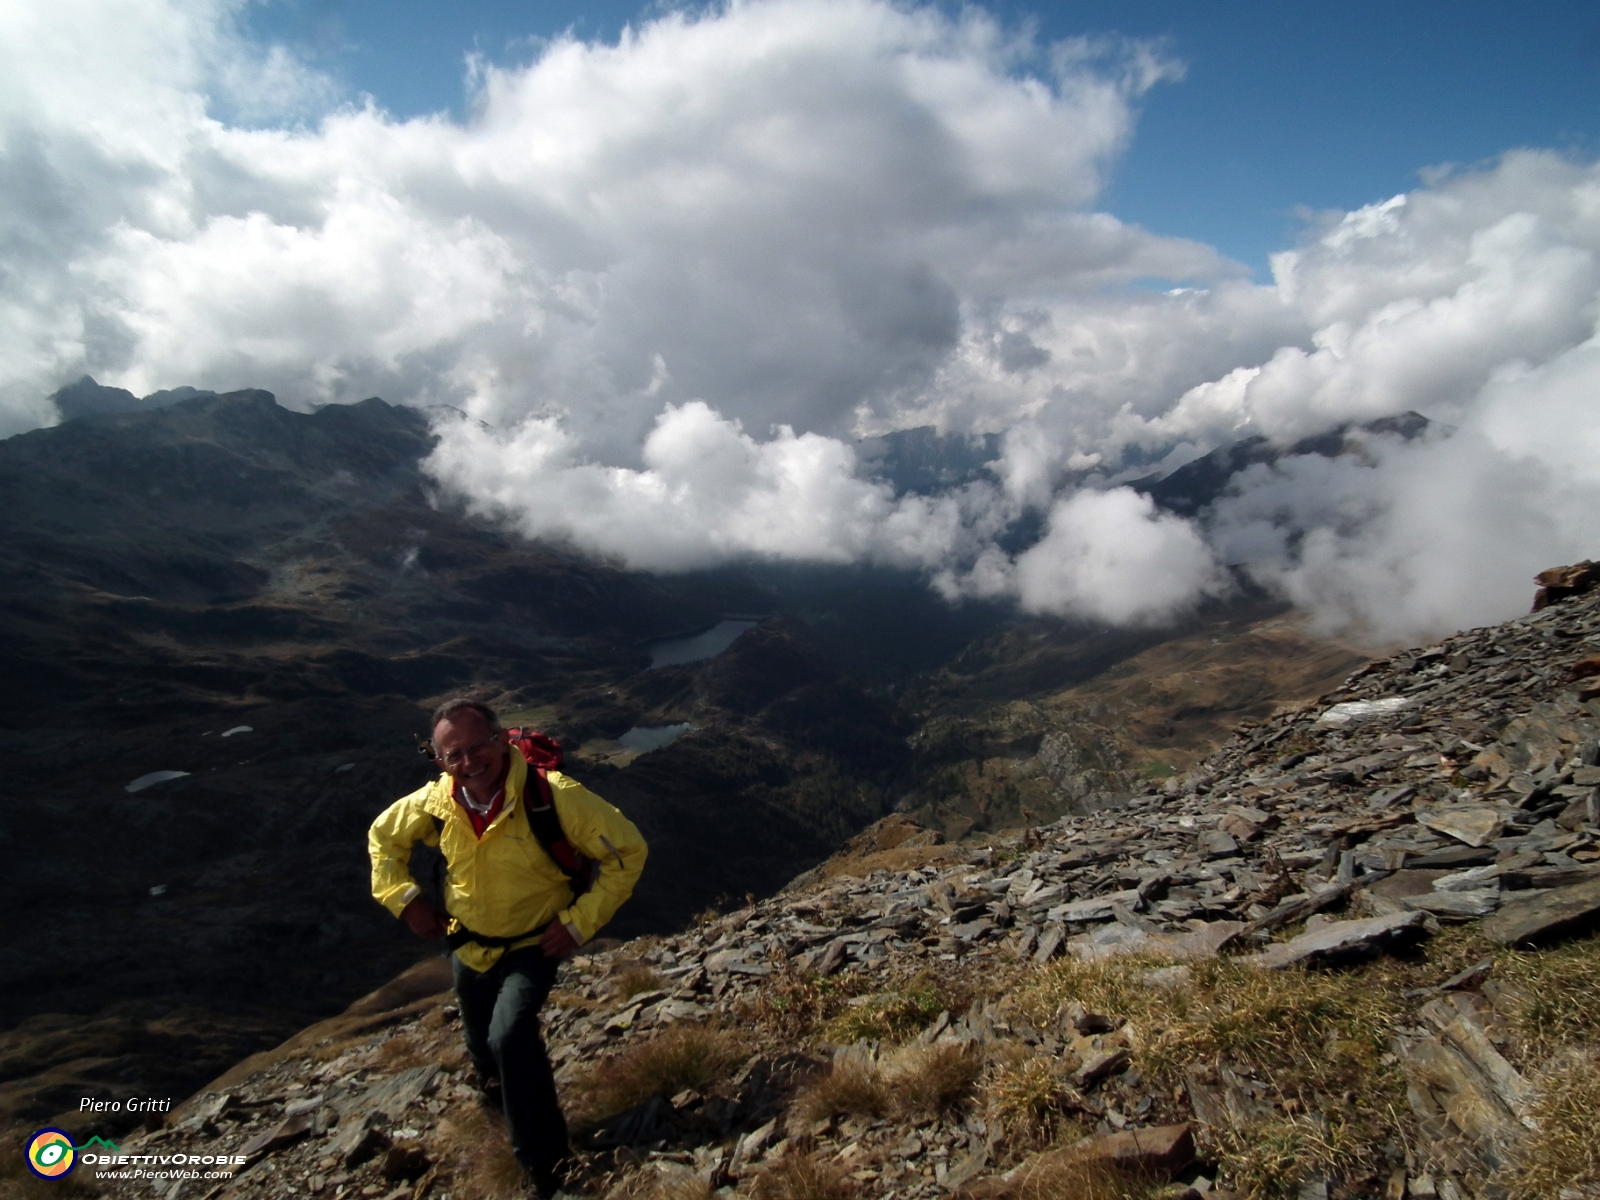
[(1197, 485), (88, 398)]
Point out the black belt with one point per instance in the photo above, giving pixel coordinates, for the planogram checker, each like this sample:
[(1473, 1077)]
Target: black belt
[(463, 935)]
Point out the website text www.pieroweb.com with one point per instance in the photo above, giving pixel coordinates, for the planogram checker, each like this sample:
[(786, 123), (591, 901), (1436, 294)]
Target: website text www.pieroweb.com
[(52, 1154)]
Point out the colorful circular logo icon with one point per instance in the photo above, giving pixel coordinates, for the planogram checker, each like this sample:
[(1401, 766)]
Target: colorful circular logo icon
[(50, 1154)]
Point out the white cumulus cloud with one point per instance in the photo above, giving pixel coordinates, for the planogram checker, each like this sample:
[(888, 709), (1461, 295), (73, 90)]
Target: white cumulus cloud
[(1106, 556), (706, 492), (676, 275)]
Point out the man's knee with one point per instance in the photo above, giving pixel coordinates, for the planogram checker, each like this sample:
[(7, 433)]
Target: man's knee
[(511, 1032)]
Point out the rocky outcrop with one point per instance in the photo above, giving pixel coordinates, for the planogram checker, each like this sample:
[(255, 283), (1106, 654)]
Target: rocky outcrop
[(1560, 583)]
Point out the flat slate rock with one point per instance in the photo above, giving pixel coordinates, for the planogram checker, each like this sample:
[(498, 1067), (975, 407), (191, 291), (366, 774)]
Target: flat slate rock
[(1216, 843), (1475, 824), (1160, 1152), (1100, 1064), (395, 1096), (1458, 905), (1094, 908), (289, 1130), (1406, 883), (1453, 856), (1351, 711), (1336, 939), (1561, 910)]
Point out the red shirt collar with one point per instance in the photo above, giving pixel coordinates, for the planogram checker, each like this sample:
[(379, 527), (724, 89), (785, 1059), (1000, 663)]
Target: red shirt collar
[(481, 822)]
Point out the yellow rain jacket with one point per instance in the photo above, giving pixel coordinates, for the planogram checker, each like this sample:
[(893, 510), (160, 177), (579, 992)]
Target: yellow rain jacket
[(504, 883)]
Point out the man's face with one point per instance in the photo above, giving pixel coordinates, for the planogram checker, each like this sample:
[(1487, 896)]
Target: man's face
[(471, 752)]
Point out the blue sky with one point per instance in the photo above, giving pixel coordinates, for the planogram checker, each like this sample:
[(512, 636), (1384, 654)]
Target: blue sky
[(1285, 107)]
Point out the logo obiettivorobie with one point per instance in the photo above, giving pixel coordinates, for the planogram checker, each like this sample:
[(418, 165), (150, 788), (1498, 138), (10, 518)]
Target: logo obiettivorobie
[(51, 1153)]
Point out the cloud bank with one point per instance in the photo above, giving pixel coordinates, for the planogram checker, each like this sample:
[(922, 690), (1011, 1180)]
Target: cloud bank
[(670, 280)]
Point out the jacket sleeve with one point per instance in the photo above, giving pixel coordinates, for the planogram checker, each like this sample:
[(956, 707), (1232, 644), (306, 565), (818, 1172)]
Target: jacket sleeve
[(399, 827), (601, 831)]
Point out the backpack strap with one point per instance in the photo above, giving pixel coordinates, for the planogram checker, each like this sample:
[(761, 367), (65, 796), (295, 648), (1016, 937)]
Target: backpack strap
[(545, 822)]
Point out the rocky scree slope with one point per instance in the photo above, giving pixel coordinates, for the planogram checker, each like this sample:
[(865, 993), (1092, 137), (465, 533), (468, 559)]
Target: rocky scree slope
[(1037, 719), (1350, 954)]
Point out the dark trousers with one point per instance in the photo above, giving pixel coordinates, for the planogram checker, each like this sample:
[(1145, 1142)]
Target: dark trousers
[(500, 1015)]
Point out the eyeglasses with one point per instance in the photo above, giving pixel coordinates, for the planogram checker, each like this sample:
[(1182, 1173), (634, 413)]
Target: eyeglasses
[(456, 757)]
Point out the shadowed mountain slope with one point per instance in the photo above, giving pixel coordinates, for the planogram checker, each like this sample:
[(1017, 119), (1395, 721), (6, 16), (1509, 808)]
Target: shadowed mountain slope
[(260, 606)]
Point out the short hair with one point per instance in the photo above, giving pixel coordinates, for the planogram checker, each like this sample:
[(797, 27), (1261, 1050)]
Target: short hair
[(453, 708)]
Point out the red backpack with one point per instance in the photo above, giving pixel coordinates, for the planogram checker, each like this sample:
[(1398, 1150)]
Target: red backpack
[(544, 753)]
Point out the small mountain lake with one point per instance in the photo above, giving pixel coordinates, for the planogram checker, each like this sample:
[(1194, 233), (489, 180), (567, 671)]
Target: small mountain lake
[(644, 738), (155, 777), (674, 651)]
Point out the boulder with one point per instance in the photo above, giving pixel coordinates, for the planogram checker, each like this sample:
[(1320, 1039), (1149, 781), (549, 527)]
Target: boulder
[(1558, 583)]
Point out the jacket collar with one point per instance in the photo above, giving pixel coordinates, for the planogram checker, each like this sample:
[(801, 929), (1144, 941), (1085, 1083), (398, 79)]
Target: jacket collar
[(440, 802)]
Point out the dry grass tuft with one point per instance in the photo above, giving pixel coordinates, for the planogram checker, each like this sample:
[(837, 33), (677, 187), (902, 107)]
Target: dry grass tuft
[(802, 1177), (1319, 1037), (1056, 1177), (565, 998), (635, 981), (929, 1079), (1563, 1151), (910, 1082), (401, 1052), (901, 858), (1560, 985), (794, 1004), (1329, 1028), (1111, 985), (853, 1085), (471, 1146), (336, 1047), (685, 1056), (662, 1181), (1270, 1159), (1289, 1019), (1027, 1094)]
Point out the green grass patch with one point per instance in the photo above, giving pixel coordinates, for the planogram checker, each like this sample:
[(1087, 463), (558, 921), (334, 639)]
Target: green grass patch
[(892, 1016)]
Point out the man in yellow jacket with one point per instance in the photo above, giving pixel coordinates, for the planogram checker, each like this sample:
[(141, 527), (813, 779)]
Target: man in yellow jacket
[(513, 912)]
